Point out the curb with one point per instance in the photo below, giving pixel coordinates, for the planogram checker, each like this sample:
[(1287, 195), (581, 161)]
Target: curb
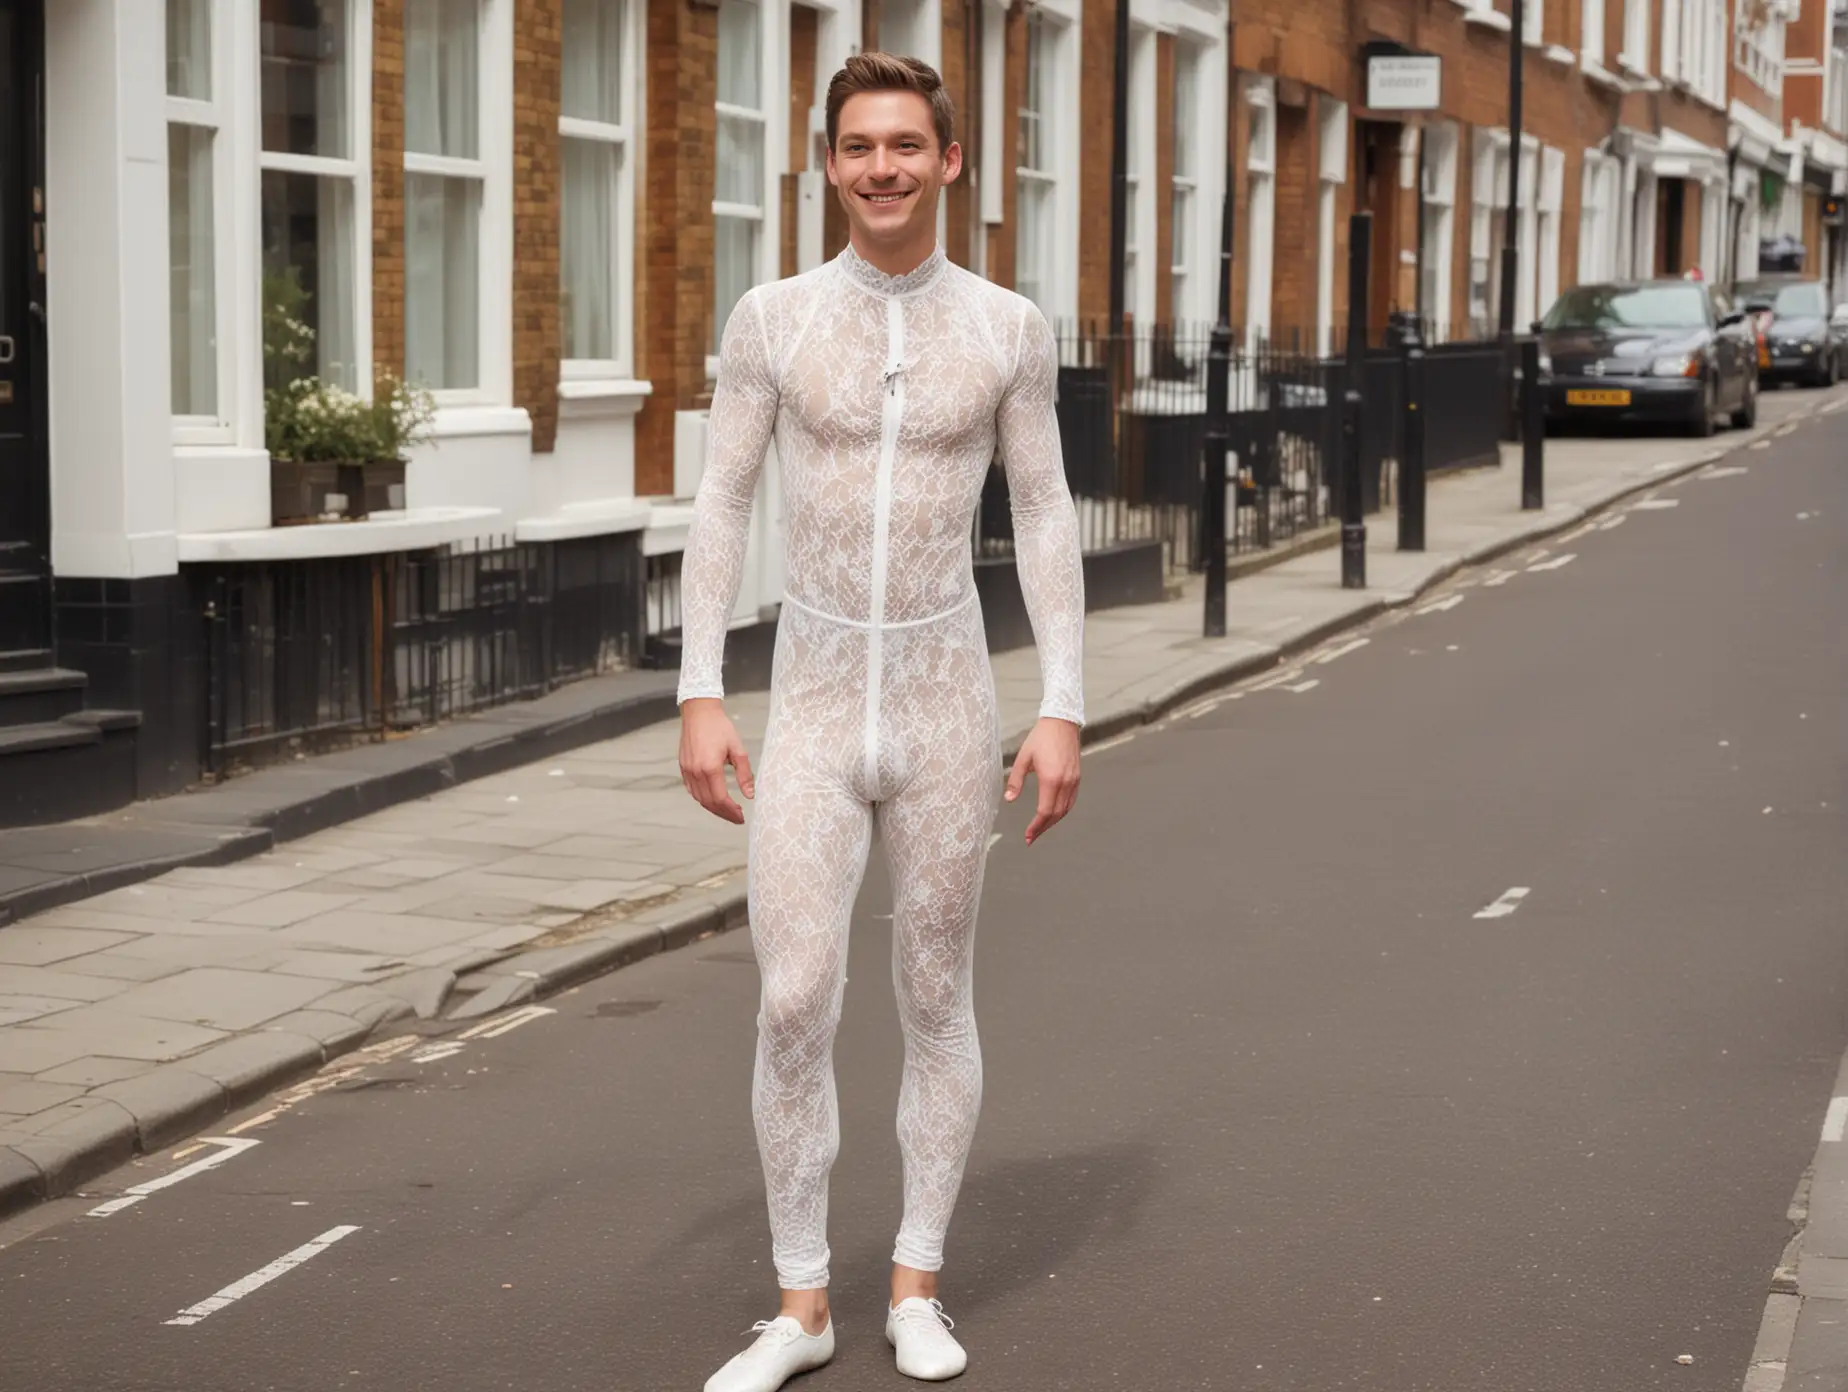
[(104, 1129)]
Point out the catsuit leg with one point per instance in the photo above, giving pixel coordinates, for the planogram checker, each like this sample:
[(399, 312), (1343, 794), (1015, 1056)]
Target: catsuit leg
[(945, 753)]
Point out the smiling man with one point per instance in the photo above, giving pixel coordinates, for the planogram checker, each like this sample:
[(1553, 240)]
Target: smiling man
[(888, 378)]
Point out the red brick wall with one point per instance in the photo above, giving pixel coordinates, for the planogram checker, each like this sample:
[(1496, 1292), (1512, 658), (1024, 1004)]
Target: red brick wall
[(1293, 276), (1162, 310), (674, 268), (537, 326), (1014, 86), (959, 20), (1096, 139), (388, 186)]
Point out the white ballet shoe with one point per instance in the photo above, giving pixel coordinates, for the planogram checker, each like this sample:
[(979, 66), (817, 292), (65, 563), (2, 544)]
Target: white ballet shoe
[(920, 1331), (782, 1350)]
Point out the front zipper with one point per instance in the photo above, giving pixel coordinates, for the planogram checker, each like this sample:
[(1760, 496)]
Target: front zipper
[(891, 413)]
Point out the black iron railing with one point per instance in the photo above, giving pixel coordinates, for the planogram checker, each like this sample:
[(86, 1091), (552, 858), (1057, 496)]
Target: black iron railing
[(314, 652)]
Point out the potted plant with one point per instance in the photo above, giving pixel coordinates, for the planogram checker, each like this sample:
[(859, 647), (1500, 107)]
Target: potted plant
[(334, 455)]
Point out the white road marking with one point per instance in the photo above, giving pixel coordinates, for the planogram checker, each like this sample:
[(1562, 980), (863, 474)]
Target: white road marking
[(135, 1193), (1665, 466), (1784, 430), (255, 1121), (1614, 523), (1760, 444), (1557, 562), (1507, 904), (1578, 532), (1112, 742), (436, 1053), (1657, 504), (1727, 471), (1803, 517), (284, 1264), (1344, 650), (1301, 687), (1498, 578), (1280, 680), (1835, 1124), (1443, 605), (506, 1024)]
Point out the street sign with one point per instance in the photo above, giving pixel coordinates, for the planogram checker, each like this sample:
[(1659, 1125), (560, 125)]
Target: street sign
[(1405, 81)]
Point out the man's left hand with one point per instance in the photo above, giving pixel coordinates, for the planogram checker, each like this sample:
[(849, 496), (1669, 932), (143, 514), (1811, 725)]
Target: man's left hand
[(1051, 755)]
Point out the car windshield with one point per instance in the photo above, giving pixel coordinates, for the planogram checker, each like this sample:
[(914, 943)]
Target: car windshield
[(1786, 301), (1633, 307)]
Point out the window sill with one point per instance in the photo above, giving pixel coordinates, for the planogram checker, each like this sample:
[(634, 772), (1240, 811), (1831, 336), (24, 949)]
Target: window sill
[(1596, 72), (1560, 54), (1640, 80), (412, 529), (1490, 19), (604, 389), (598, 517), (463, 422), (667, 528)]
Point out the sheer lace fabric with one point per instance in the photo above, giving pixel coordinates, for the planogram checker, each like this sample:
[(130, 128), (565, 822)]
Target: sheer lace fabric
[(886, 398)]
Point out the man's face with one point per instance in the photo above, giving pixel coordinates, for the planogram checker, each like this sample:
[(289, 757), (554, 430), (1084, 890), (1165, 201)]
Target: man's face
[(887, 166)]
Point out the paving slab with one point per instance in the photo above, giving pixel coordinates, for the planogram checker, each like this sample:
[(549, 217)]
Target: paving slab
[(40, 945), (220, 998)]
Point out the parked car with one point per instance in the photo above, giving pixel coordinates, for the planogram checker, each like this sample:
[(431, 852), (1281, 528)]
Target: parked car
[(1658, 351), (1802, 344)]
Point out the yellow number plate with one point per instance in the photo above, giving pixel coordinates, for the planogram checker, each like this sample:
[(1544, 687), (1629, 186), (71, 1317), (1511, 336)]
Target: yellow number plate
[(1598, 398)]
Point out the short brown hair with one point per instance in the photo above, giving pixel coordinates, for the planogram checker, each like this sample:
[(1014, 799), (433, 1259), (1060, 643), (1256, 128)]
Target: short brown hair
[(888, 72)]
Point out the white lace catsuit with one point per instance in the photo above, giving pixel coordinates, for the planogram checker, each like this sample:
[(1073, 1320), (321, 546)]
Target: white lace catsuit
[(886, 397)]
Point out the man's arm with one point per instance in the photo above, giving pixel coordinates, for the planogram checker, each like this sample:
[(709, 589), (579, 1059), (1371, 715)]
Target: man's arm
[(743, 416), (1046, 552)]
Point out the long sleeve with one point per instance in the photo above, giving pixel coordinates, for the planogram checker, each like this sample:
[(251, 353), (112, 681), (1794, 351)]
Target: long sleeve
[(743, 416), (1046, 548)]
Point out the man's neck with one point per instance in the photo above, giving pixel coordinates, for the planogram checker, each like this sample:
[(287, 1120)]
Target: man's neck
[(897, 259)]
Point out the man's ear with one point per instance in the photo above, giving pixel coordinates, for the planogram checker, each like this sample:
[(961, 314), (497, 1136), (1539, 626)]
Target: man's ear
[(833, 175), (952, 162)]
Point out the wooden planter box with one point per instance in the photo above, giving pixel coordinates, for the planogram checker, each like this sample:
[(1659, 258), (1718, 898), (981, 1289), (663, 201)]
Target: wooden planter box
[(316, 491)]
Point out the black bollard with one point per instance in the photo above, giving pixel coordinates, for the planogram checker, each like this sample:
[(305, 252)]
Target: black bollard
[(1533, 427), (1412, 456), (1353, 517)]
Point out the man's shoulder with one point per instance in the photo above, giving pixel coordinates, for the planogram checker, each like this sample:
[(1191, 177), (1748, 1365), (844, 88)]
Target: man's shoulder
[(1008, 305)]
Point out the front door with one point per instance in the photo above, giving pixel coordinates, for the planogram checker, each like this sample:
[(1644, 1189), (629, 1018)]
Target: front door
[(25, 478)]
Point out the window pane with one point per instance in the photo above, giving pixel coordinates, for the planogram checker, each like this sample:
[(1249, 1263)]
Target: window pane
[(734, 268), (587, 286), (442, 280), (442, 73), (1181, 211), (189, 49), (1030, 246), (308, 289), (740, 174), (739, 64), (305, 77), (194, 316), (593, 60), (1184, 113)]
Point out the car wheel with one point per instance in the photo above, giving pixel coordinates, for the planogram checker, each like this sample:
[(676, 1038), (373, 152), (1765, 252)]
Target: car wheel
[(1701, 426), (1747, 415)]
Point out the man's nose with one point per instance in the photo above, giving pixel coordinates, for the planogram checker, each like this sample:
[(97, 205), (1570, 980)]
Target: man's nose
[(883, 168)]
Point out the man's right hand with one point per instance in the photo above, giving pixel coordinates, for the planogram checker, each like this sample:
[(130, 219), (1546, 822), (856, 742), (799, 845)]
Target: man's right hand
[(708, 742)]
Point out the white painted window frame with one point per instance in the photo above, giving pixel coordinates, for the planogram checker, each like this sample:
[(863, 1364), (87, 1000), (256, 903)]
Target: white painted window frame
[(1835, 101), (1184, 201), (1139, 232), (623, 136), (773, 77), (1635, 53), (219, 114), (1060, 23), (493, 168), (995, 122), (1260, 95), (1601, 188), (1332, 125), (1548, 234), (1533, 22), (1443, 144), (1591, 32)]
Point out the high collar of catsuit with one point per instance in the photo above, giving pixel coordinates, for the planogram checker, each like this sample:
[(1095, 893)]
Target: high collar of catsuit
[(870, 278)]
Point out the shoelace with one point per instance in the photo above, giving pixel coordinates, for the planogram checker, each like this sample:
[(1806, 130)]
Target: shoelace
[(942, 1321), (784, 1334)]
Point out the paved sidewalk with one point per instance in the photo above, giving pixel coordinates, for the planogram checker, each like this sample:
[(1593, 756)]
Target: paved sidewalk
[(145, 1012)]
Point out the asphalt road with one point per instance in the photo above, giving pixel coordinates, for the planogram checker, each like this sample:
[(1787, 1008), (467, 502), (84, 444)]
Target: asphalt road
[(1269, 1106)]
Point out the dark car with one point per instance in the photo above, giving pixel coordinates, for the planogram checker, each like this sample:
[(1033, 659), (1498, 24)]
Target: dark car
[(1802, 345), (1659, 351)]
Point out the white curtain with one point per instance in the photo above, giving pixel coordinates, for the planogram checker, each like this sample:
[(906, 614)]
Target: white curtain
[(587, 252), (193, 314), (442, 280), (441, 77), (334, 274), (593, 60)]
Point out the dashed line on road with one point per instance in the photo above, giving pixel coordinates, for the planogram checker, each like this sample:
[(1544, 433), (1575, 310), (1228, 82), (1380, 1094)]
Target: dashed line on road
[(1657, 504), (1759, 444), (1557, 563), (1499, 578), (1443, 605), (1835, 1123), (1783, 430), (1614, 522), (1724, 471), (284, 1264), (506, 1024), (1302, 687), (1509, 901), (229, 1148)]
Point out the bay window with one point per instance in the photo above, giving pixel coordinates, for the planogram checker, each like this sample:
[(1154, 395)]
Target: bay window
[(595, 257), (738, 185), (445, 181)]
